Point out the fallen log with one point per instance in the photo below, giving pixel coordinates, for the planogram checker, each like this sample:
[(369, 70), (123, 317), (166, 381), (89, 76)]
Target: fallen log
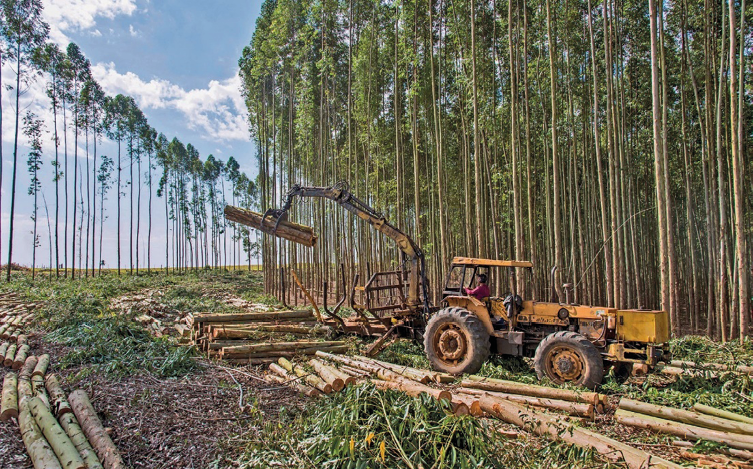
[(715, 366), (675, 371), (42, 364), (738, 453), (73, 430), (251, 361), (37, 385), (559, 429), (224, 353), (422, 376), (310, 378), (683, 430), (512, 387), (569, 407), (28, 368), (9, 400), (39, 450), (686, 416), (353, 371), (326, 374), (717, 462), (347, 379), (235, 318), (284, 378), (725, 414), (287, 230), (94, 431), (242, 333), (22, 339), (20, 358), (58, 402), (415, 389), (3, 349), (281, 346), (9, 355), (55, 435)]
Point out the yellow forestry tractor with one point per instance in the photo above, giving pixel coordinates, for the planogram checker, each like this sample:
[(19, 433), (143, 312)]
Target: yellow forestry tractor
[(568, 342)]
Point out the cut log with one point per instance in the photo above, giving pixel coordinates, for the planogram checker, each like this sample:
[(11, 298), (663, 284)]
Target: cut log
[(42, 364), (676, 371), (422, 376), (73, 430), (233, 319), (300, 387), (738, 453), (713, 366), (571, 408), (55, 435), (28, 368), (559, 429), (354, 371), (94, 431), (3, 349), (37, 385), (310, 378), (287, 230), (368, 366), (58, 402), (686, 416), (683, 430), (39, 450), (251, 361), (280, 346), (720, 462), (10, 354), (24, 391), (414, 389), (9, 400), (327, 375), (725, 414), (512, 387), (20, 358), (245, 332), (307, 294), (347, 379), (22, 340), (293, 381), (225, 353)]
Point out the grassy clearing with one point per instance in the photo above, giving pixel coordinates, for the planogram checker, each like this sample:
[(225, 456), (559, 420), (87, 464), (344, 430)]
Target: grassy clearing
[(78, 314)]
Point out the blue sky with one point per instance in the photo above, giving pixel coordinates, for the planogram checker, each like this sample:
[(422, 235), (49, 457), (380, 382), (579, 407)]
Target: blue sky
[(178, 59)]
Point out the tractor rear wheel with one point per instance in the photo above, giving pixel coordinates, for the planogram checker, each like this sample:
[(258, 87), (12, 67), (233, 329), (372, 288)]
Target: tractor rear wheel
[(567, 357), (456, 341)]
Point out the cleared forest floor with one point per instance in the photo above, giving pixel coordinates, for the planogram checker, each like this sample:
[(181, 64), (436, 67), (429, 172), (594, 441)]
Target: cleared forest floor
[(168, 407)]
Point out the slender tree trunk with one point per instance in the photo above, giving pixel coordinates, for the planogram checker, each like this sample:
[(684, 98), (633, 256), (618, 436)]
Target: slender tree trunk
[(15, 162)]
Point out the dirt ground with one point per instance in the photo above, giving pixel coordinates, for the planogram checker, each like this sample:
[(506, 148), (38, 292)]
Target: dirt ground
[(192, 422)]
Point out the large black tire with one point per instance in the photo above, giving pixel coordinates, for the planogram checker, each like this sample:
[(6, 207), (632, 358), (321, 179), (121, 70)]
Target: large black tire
[(456, 341), (567, 357)]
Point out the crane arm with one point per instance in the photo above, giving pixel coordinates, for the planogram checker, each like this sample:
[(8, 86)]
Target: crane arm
[(339, 193)]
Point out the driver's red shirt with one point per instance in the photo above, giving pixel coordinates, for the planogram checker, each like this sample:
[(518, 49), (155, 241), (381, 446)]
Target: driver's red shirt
[(480, 292)]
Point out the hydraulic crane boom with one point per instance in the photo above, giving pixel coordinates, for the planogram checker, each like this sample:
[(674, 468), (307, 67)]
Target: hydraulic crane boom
[(339, 193)]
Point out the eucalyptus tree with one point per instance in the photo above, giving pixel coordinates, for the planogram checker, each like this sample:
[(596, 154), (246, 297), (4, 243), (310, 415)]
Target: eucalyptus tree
[(162, 155), (33, 128), (105, 179), (116, 116), (56, 66), (24, 32), (80, 73), (92, 105)]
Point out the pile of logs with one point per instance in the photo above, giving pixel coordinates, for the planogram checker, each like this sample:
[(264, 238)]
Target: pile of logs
[(58, 430), (703, 422), (236, 337), (150, 311), (14, 315), (524, 406)]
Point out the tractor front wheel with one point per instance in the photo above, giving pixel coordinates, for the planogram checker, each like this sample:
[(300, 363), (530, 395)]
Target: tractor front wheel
[(567, 357), (456, 341)]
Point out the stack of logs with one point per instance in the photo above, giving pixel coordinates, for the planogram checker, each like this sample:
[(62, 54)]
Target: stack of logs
[(58, 431), (235, 337), (515, 403), (703, 422), (14, 315), (694, 369)]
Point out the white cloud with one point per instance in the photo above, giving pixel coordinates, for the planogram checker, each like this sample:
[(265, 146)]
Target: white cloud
[(218, 110), (133, 31), (81, 15)]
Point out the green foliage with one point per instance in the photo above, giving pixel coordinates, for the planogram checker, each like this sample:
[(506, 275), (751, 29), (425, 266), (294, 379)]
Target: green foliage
[(349, 429), (119, 347)]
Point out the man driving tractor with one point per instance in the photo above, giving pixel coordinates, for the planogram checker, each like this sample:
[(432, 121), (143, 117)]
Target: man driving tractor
[(481, 291)]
